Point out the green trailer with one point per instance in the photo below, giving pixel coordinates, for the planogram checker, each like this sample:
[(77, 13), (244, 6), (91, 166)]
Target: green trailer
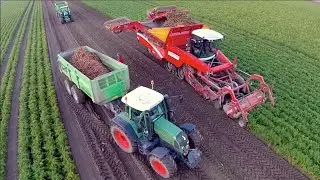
[(102, 89), (63, 11)]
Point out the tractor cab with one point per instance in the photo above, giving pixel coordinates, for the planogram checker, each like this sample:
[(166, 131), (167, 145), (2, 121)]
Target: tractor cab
[(145, 106), (203, 44)]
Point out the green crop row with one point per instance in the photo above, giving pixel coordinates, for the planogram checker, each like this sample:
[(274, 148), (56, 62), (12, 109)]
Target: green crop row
[(280, 41), (6, 90), (10, 15), (43, 149)]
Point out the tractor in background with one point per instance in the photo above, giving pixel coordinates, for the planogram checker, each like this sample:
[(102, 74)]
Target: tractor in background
[(143, 120), (63, 11)]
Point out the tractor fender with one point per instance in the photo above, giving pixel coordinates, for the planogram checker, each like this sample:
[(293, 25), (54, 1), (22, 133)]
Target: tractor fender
[(126, 127), (159, 152), (189, 127)]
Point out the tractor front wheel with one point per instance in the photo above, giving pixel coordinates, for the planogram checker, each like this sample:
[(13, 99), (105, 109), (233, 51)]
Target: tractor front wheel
[(195, 138), (165, 167), (62, 20), (122, 139), (77, 95)]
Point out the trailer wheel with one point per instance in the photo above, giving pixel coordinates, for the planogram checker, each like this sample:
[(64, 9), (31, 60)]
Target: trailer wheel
[(122, 139), (180, 73), (242, 123), (77, 94), (67, 84), (165, 167)]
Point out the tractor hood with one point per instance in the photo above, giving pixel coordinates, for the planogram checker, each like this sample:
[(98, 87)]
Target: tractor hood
[(166, 130)]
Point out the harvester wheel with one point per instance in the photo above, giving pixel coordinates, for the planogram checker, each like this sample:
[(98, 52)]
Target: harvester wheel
[(180, 73), (67, 84), (242, 123), (77, 95), (195, 138), (165, 167), (169, 66), (217, 104), (122, 139)]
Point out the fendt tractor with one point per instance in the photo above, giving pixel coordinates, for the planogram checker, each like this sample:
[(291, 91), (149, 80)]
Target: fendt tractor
[(63, 11), (142, 118), (192, 52)]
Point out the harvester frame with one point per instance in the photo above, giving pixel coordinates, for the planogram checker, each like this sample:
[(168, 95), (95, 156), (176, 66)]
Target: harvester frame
[(215, 83)]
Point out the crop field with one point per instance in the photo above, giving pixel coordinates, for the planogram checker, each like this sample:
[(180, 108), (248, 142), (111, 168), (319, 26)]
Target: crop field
[(42, 142), (284, 49), (46, 134)]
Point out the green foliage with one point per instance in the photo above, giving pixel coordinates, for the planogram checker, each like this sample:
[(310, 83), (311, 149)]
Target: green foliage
[(10, 15), (43, 147), (279, 40)]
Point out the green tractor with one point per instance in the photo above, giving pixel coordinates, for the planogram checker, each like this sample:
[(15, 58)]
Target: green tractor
[(63, 11), (146, 126), (142, 119)]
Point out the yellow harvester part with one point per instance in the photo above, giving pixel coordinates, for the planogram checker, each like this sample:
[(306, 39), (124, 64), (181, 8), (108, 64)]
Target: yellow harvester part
[(161, 33)]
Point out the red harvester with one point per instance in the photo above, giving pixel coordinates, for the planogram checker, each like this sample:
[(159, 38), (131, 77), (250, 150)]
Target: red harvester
[(191, 52)]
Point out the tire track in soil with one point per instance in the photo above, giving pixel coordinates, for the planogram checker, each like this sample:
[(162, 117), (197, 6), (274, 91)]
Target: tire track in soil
[(86, 166), (12, 151), (239, 153), (3, 65)]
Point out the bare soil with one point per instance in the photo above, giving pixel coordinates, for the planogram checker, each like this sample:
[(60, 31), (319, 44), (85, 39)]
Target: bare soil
[(229, 152)]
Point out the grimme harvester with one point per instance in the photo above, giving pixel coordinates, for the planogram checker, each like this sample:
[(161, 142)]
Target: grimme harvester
[(143, 121), (191, 52)]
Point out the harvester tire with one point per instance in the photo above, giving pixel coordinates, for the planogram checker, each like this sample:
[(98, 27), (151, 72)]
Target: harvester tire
[(67, 84), (195, 138), (122, 139), (242, 123), (166, 167), (217, 104), (180, 73), (77, 95), (169, 66)]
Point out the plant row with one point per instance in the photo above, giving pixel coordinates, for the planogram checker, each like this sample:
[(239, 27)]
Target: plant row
[(6, 90), (11, 12), (42, 141)]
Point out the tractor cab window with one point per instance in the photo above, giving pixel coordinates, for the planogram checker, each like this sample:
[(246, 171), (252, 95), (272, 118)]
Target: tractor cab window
[(135, 114), (157, 112), (202, 48)]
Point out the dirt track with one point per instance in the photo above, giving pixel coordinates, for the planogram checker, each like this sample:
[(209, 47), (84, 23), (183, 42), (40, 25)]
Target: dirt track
[(229, 152)]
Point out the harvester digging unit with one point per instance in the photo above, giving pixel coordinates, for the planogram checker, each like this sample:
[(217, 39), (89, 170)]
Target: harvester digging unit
[(191, 52)]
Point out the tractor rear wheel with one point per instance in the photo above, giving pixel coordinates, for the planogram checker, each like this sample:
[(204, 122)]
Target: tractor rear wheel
[(165, 167), (77, 95), (122, 139), (180, 73)]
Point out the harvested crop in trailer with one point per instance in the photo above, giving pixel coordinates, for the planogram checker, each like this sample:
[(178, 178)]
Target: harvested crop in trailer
[(88, 63), (178, 17)]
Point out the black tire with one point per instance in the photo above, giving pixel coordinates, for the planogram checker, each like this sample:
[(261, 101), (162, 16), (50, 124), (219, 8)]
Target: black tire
[(62, 20), (169, 67), (166, 167), (217, 104), (180, 73), (195, 138), (67, 84), (77, 95), (121, 138)]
